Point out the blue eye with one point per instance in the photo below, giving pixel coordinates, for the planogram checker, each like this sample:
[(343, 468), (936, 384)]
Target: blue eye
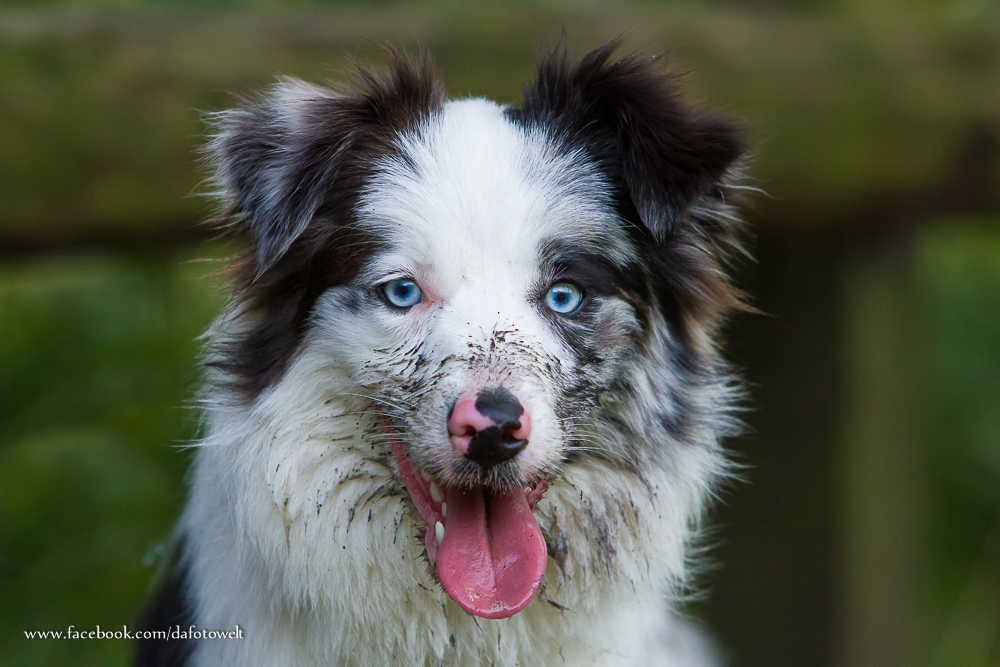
[(564, 298), (402, 293)]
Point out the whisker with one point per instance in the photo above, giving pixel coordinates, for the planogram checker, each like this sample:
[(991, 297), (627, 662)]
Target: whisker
[(381, 400)]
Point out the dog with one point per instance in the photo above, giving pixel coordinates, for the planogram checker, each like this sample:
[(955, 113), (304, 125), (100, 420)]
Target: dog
[(466, 405)]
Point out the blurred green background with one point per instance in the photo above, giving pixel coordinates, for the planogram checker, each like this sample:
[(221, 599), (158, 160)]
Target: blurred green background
[(868, 531)]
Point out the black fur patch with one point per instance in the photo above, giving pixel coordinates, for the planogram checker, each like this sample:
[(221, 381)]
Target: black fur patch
[(664, 159), (169, 607), (594, 271), (293, 166)]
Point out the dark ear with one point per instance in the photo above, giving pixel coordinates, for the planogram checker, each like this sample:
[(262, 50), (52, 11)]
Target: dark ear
[(628, 115), (278, 159)]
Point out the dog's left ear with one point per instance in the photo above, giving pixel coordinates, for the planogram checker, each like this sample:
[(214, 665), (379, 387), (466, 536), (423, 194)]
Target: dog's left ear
[(302, 151), (628, 116)]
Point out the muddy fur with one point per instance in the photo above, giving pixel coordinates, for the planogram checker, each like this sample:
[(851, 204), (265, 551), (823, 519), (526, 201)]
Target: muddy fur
[(299, 528)]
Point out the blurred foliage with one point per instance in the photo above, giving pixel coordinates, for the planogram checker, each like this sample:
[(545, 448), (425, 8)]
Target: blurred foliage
[(863, 99), (96, 366), (960, 276)]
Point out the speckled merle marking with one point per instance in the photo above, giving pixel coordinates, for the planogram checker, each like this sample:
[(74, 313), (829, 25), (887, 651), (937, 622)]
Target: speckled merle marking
[(425, 283)]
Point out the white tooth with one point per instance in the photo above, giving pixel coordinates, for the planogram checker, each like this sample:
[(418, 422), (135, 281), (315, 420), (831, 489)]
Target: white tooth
[(439, 532), (437, 495), (444, 510), (426, 475)]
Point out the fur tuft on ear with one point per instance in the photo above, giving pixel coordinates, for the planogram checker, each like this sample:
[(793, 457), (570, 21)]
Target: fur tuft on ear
[(279, 160), (674, 170), (628, 116), (291, 167)]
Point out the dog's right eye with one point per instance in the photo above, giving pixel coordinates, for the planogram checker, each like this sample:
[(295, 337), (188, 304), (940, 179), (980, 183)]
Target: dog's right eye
[(564, 298), (401, 293)]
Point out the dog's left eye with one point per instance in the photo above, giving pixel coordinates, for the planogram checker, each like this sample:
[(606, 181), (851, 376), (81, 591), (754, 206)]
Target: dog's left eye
[(402, 293), (564, 298)]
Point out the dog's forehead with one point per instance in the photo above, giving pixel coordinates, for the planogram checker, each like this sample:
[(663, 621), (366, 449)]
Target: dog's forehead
[(471, 187)]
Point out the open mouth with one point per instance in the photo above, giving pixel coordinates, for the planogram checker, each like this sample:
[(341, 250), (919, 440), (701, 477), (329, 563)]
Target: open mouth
[(486, 546)]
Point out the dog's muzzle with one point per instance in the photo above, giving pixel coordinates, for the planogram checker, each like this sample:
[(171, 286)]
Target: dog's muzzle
[(484, 543)]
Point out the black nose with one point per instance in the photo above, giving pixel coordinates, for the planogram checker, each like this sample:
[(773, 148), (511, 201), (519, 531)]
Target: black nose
[(498, 443)]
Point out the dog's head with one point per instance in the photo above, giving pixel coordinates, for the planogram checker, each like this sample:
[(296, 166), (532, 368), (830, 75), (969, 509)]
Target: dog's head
[(511, 289)]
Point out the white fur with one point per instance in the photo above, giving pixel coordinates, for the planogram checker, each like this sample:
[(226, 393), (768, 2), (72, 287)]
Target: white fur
[(288, 534)]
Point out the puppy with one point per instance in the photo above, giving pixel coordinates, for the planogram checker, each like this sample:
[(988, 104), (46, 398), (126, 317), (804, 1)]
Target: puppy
[(465, 406)]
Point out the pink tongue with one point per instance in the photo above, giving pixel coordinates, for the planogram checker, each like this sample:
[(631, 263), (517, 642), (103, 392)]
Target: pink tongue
[(493, 555)]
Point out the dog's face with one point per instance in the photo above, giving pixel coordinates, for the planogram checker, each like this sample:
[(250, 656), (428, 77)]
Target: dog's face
[(493, 286), (485, 329), (510, 289)]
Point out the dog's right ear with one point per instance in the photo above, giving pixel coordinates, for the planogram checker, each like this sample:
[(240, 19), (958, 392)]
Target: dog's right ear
[(628, 116), (670, 167), (302, 150)]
